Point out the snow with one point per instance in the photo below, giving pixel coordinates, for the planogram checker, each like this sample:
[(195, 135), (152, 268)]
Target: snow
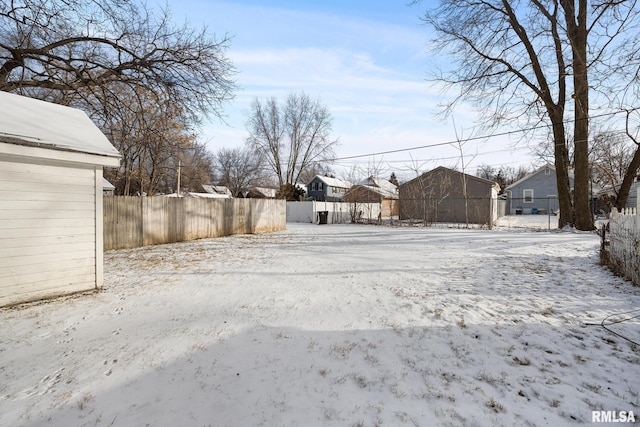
[(34, 121), (333, 325)]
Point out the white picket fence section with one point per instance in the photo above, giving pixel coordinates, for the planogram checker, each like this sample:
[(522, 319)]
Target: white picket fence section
[(624, 243)]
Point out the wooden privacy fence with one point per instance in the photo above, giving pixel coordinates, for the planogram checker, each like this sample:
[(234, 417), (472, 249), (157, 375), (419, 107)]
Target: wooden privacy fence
[(131, 222), (623, 252)]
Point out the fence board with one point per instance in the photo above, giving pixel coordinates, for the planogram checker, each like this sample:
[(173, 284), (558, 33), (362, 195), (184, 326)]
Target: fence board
[(131, 222), (123, 222), (623, 252)]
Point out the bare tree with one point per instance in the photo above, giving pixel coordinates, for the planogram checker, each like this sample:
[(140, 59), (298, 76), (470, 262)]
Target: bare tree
[(430, 193), (145, 81), (292, 137), (239, 169), (65, 50), (526, 61), (460, 146), (486, 171), (634, 164), (421, 197), (315, 168), (504, 176), (154, 144), (611, 153), (196, 167), (615, 159)]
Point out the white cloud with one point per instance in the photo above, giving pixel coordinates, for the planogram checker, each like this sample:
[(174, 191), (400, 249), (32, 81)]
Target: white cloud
[(370, 74)]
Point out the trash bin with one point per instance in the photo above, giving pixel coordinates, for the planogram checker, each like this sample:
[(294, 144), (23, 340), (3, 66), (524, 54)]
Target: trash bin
[(518, 211), (534, 211), (323, 216)]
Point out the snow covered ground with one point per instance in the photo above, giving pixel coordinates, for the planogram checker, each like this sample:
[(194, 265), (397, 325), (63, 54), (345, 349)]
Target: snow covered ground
[(333, 325)]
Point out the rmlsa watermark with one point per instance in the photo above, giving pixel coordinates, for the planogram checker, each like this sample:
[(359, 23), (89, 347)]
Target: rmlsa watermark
[(613, 417)]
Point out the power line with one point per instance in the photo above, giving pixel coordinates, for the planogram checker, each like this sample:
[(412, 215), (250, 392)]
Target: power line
[(392, 151), (475, 138), (484, 153)]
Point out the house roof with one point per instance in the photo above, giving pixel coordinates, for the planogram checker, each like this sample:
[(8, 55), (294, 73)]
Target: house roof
[(334, 182), (529, 176), (269, 193), (381, 186), (467, 176), (31, 122), (209, 195), (106, 185), (550, 166), (219, 190)]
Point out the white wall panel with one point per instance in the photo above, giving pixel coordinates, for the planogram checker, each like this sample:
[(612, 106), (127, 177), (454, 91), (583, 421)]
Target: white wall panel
[(47, 229)]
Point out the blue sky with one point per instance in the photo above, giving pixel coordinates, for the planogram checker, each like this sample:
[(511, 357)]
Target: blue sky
[(367, 61)]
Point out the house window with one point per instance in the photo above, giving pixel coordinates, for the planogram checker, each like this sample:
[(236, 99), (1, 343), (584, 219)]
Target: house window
[(527, 196), (547, 171)]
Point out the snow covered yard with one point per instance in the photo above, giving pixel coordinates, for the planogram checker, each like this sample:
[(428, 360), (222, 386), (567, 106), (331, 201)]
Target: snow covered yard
[(332, 325)]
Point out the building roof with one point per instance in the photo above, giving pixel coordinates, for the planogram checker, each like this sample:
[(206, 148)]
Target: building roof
[(467, 176), (219, 190), (31, 122), (208, 195), (381, 186), (593, 189), (106, 185), (537, 171), (267, 193), (334, 182)]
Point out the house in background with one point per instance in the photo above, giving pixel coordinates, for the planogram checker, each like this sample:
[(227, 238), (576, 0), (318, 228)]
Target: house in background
[(51, 215), (217, 191), (375, 190), (608, 195), (261, 193), (536, 193), (439, 196), (327, 189), (108, 189), (634, 193)]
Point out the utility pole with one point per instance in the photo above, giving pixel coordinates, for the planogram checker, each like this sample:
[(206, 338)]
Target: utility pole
[(178, 189)]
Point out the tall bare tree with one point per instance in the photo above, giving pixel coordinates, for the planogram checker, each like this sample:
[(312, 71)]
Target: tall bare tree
[(504, 175), (156, 148), (197, 166), (531, 62), (52, 49), (126, 66), (611, 153), (292, 136), (633, 167), (239, 169)]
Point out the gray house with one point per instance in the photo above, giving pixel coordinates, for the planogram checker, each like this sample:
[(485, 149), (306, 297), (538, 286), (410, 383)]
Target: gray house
[(632, 200), (446, 195), (327, 189), (536, 193)]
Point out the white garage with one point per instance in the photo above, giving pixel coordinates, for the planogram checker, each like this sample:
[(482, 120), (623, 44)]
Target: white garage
[(51, 160)]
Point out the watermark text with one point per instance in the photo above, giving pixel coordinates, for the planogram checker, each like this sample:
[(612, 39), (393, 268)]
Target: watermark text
[(613, 417)]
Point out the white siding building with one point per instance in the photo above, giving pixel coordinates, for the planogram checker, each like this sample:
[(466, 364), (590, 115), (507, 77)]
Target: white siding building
[(51, 160)]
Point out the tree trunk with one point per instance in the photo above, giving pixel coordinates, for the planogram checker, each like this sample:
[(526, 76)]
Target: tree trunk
[(561, 157), (577, 30), (632, 172)]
